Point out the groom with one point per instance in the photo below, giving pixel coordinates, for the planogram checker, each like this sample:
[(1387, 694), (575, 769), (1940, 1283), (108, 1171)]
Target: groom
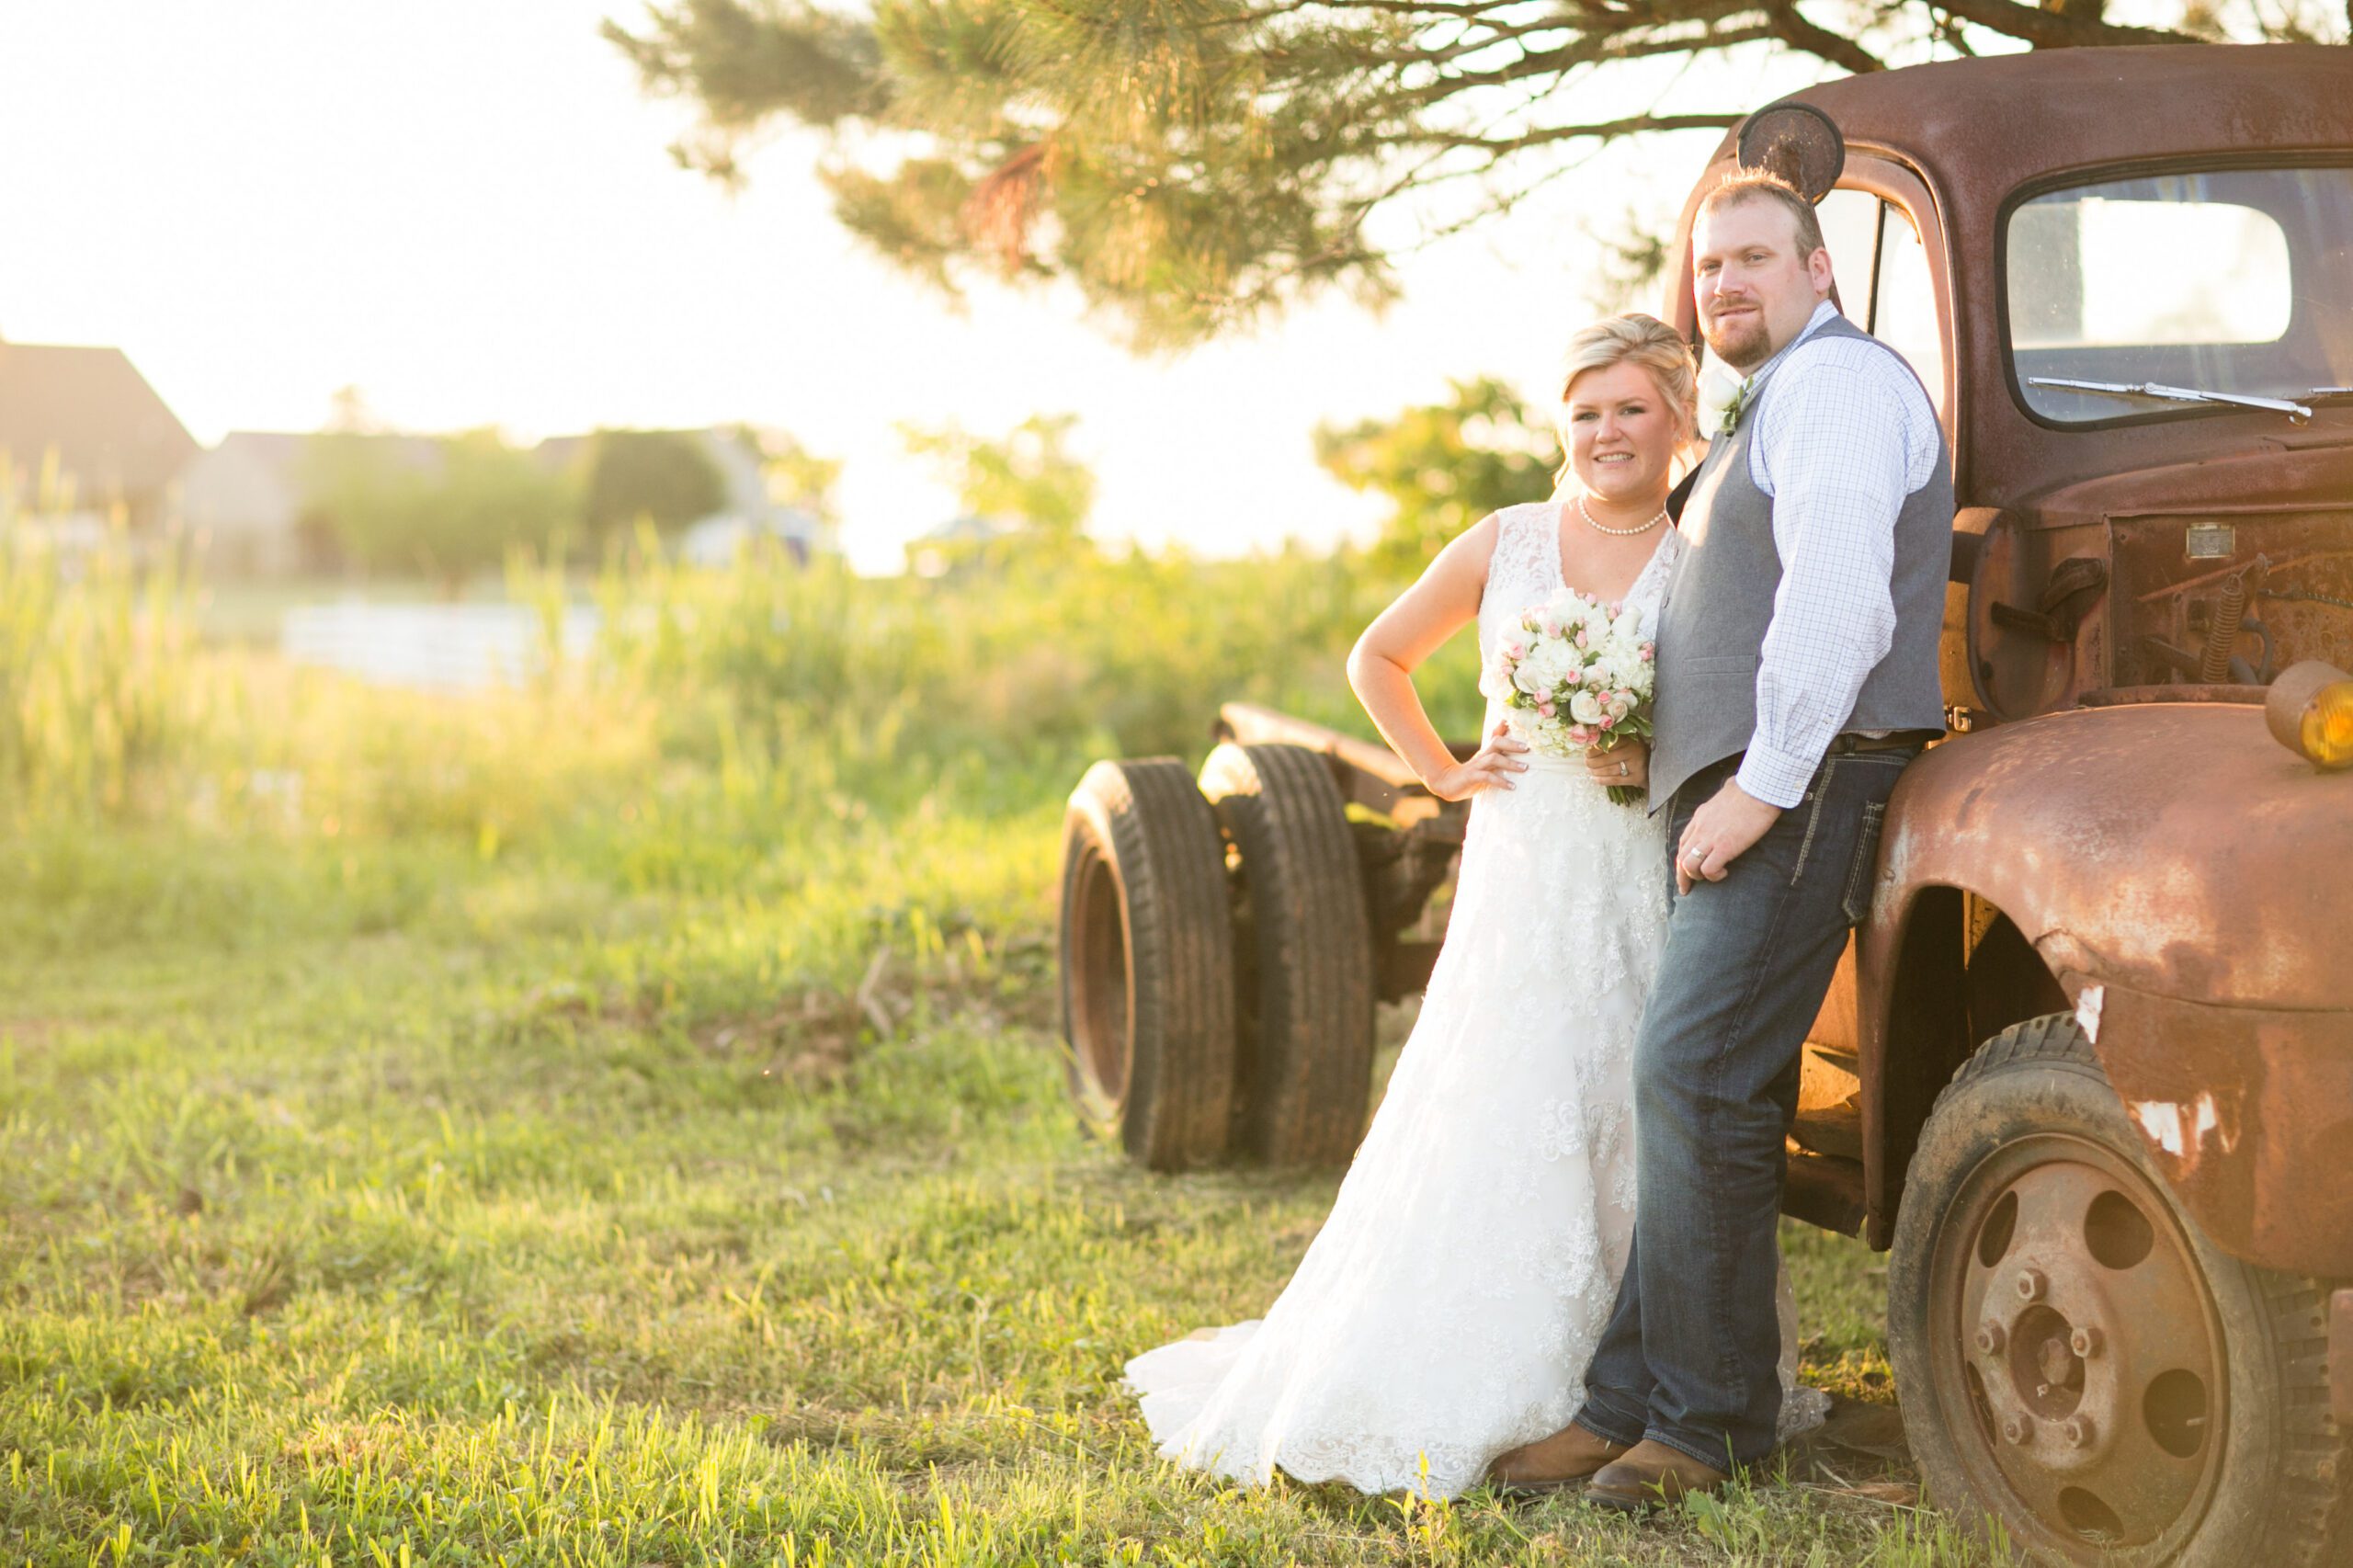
[(1797, 674)]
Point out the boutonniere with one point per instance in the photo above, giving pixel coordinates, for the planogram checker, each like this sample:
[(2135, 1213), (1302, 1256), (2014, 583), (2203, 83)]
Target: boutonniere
[(1730, 420)]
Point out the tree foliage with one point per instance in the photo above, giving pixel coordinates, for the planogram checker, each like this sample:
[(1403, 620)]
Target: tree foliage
[(444, 507), (663, 477), (1190, 163), (1028, 477), (1024, 498), (1442, 466), (799, 478)]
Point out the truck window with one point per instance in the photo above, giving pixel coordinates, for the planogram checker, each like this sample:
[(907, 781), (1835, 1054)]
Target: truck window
[(1904, 302), (1850, 229), (2230, 280), (2177, 274)]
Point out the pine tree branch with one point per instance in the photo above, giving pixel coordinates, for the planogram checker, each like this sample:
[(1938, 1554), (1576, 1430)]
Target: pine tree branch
[(1461, 8), (1609, 49), (1489, 36), (1800, 34), (1603, 130), (1213, 159), (2056, 29)]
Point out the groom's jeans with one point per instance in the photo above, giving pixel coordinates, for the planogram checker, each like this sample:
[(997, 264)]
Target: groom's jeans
[(1691, 1353)]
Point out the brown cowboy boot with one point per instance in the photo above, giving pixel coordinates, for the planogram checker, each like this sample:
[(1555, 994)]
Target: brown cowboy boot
[(1650, 1474), (1547, 1464)]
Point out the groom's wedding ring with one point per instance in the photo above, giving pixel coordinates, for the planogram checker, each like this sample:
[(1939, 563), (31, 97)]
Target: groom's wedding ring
[(1698, 857)]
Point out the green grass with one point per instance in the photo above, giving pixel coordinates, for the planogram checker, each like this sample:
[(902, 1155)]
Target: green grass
[(622, 1124), (544, 1220)]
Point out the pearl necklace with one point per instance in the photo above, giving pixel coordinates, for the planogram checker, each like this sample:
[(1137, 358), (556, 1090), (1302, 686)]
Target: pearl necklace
[(1658, 518)]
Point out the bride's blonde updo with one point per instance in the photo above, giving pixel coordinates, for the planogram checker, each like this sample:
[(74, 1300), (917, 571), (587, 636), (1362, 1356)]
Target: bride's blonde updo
[(1633, 338)]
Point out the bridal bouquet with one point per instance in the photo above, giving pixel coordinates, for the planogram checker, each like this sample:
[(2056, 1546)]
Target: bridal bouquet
[(1576, 674)]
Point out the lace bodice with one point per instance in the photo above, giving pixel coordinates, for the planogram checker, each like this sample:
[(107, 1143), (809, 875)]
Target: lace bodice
[(1525, 570)]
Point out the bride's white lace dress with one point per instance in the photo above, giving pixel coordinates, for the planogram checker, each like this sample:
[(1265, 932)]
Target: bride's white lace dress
[(1448, 1307)]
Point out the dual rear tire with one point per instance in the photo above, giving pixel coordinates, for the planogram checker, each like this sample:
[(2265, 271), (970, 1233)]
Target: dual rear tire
[(1216, 961)]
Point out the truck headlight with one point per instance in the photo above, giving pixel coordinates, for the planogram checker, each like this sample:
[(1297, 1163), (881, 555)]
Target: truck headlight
[(2310, 708)]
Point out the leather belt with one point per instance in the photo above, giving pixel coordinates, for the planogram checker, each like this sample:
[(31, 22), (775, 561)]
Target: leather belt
[(1851, 742)]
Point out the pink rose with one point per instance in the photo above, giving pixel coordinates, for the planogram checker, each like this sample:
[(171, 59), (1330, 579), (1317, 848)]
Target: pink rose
[(1608, 721), (1545, 709), (1580, 735), (1582, 640)]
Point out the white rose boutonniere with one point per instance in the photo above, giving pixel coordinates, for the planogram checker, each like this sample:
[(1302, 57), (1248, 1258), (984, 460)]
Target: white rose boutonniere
[(1723, 399), (1739, 405)]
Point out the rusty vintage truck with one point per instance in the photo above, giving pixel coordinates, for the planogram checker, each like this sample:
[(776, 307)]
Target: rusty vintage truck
[(2087, 1069)]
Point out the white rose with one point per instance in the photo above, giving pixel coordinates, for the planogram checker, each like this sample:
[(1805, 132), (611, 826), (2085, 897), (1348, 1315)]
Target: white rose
[(1586, 708), (1539, 672), (1718, 387)]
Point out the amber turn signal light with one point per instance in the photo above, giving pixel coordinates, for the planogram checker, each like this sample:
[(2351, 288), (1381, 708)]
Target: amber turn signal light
[(2310, 708)]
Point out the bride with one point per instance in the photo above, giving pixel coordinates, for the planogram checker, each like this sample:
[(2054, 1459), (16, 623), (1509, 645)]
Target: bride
[(1444, 1313)]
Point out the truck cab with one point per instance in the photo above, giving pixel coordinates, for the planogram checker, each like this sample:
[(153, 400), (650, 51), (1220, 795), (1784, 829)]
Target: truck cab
[(2088, 1068)]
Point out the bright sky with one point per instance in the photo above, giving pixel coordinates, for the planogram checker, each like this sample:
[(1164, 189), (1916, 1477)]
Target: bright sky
[(467, 210)]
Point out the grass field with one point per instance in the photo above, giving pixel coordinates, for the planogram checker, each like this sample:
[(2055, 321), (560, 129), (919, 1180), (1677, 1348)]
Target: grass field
[(623, 1126)]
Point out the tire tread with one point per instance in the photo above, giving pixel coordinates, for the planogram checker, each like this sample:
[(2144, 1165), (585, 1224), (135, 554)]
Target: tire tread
[(1314, 980), (2313, 1526), (1152, 821)]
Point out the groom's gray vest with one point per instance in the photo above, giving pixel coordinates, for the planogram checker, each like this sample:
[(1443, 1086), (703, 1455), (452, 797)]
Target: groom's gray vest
[(1719, 602)]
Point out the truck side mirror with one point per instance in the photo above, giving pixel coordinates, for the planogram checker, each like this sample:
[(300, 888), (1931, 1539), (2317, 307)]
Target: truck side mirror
[(1796, 142)]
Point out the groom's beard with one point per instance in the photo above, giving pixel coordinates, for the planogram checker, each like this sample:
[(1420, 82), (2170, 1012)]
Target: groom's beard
[(1744, 344)]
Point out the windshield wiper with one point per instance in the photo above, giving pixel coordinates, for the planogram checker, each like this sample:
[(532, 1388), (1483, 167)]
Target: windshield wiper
[(2294, 411), (2328, 394)]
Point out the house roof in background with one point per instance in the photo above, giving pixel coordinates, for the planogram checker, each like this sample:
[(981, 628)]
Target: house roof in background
[(270, 447), (283, 448), (109, 428)]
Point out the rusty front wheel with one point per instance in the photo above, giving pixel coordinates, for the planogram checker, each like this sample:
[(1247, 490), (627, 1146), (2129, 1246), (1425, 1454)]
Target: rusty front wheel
[(1147, 963), (2077, 1360)]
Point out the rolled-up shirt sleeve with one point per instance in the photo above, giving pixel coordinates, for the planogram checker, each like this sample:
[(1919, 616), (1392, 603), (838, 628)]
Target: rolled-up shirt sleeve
[(1838, 447)]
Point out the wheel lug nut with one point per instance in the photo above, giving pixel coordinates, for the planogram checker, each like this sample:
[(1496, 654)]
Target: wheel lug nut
[(2017, 1429), (2031, 1284), (1991, 1338), (2087, 1342), (2079, 1431)]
